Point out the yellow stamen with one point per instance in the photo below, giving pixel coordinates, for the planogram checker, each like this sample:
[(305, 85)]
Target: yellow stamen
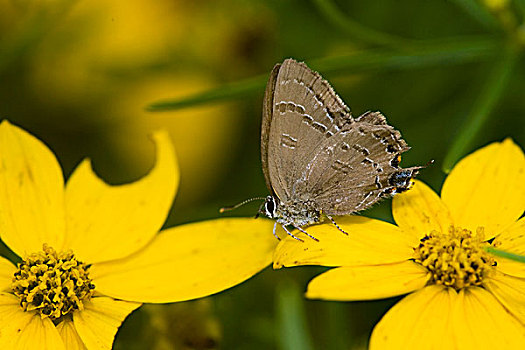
[(456, 259), (54, 284)]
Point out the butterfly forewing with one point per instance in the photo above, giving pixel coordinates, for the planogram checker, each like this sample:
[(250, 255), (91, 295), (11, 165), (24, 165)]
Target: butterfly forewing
[(305, 113), (266, 122)]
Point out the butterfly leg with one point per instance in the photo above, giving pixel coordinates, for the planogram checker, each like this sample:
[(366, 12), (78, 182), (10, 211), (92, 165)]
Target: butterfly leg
[(274, 231), (289, 233), (336, 225), (306, 233)]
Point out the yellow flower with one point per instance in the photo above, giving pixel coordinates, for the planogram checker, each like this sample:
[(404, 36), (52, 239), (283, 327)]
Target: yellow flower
[(91, 253), (460, 296)]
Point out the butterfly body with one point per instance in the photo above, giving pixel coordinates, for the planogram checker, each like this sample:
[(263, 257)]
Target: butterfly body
[(297, 213)]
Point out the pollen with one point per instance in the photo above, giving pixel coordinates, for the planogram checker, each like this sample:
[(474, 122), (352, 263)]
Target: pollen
[(52, 284), (456, 259)]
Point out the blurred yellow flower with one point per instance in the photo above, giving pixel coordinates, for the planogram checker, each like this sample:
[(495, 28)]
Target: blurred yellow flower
[(111, 59), (204, 137), (91, 253), (460, 296), (496, 5)]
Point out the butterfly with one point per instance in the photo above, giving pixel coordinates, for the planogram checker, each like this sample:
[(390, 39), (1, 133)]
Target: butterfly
[(318, 161)]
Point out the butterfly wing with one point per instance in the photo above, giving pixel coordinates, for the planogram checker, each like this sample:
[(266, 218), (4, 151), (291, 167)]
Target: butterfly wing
[(357, 166), (266, 122), (301, 111)]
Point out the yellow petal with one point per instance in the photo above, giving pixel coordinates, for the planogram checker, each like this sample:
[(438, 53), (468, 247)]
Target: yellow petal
[(69, 335), (25, 330), (512, 239), (369, 242), (368, 282), (510, 267), (487, 188), (110, 222), (510, 291), (31, 193), (420, 211), (420, 321), (7, 270), (480, 322), (98, 323), (190, 261)]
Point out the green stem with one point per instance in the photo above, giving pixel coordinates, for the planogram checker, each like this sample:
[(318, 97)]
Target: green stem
[(291, 318), (506, 255), (434, 53), (357, 30), (482, 108), (479, 13)]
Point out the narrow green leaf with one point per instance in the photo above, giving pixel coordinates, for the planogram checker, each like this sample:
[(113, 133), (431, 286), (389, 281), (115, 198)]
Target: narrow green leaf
[(7, 253), (434, 53), (356, 30), (227, 91), (479, 12), (506, 255), (483, 106), (340, 326), (291, 322)]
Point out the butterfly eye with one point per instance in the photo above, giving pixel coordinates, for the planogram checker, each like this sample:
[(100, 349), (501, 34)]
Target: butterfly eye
[(269, 207)]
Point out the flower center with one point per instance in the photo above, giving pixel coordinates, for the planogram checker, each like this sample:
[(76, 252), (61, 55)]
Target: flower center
[(54, 284), (456, 259)]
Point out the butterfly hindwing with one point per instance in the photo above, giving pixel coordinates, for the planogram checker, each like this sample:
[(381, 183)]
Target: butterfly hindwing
[(355, 168)]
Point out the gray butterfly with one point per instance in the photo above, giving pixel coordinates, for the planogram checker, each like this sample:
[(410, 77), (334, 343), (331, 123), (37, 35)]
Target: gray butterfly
[(316, 158)]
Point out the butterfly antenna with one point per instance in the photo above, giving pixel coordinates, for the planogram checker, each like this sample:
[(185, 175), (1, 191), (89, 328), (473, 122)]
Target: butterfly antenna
[(224, 209), (416, 168)]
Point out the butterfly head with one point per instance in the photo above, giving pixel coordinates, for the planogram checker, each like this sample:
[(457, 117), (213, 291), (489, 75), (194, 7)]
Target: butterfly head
[(270, 207)]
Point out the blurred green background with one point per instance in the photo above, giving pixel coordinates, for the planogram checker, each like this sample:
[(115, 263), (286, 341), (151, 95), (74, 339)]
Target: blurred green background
[(94, 78)]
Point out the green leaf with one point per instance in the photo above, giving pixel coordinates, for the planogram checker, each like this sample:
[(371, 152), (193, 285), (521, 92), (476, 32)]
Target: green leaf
[(433, 53), (483, 106), (291, 318), (506, 255)]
